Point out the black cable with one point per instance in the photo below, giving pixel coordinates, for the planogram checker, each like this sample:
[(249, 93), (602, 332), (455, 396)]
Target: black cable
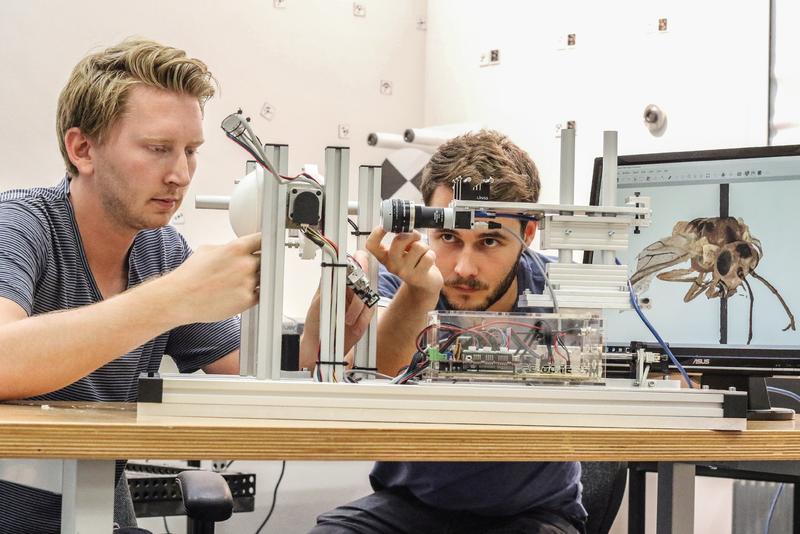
[(274, 497), (166, 527), (560, 341), (356, 231)]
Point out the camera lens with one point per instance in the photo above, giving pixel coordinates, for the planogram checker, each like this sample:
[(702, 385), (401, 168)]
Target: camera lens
[(396, 215), (400, 216)]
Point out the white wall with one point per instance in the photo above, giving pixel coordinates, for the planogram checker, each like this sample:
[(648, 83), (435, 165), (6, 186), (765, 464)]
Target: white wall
[(708, 71), (314, 61), (785, 119)]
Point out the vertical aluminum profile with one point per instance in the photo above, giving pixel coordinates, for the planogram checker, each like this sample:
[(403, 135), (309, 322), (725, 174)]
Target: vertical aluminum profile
[(369, 199), (262, 325), (567, 180), (609, 180), (249, 326), (337, 165), (278, 155)]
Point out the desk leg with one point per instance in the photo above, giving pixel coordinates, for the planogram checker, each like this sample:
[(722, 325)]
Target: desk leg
[(675, 513), (637, 492), (87, 497), (796, 507)]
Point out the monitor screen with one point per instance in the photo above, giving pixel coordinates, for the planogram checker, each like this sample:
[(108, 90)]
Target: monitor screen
[(722, 220)]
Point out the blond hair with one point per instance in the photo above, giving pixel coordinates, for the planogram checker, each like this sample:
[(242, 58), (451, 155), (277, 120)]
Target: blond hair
[(97, 90), (483, 154)]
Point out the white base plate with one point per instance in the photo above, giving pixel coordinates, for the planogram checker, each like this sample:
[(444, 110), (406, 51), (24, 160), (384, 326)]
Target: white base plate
[(484, 404)]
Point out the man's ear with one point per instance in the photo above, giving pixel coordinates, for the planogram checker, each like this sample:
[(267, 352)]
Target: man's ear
[(79, 149), (529, 232)]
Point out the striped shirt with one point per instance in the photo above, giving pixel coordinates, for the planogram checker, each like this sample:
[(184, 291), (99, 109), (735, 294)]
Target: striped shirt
[(43, 268)]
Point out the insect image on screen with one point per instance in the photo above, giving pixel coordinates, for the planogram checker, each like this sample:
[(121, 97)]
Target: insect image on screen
[(722, 254)]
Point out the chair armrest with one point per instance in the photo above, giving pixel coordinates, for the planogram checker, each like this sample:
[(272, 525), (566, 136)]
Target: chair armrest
[(206, 495)]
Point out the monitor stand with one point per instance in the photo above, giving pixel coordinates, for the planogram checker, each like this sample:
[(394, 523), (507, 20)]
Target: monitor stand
[(758, 405)]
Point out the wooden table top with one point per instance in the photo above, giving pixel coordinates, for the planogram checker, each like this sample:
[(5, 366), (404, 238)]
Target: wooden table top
[(110, 431)]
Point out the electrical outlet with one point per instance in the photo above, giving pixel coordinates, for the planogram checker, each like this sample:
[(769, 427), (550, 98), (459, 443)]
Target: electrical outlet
[(178, 219), (267, 111), (386, 87), (359, 9), (490, 57), (344, 131), (566, 41), (422, 24), (280, 4)]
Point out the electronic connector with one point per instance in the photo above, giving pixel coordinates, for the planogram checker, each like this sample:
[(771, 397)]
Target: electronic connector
[(358, 281)]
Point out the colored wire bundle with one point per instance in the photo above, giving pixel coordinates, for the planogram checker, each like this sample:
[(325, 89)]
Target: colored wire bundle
[(485, 334), (237, 128)]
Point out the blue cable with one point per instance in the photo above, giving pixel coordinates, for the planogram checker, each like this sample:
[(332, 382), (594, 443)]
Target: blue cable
[(772, 507), (784, 392), (673, 359)]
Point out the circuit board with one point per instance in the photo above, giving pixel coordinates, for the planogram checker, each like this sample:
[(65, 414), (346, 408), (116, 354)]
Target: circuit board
[(530, 348)]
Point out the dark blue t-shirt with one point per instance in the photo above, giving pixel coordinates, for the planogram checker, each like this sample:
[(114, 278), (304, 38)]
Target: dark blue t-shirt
[(487, 488)]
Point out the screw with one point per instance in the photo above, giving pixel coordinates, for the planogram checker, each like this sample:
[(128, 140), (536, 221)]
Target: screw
[(611, 233)]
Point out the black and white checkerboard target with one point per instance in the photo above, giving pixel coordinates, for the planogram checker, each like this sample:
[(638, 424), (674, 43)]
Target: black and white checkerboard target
[(402, 173)]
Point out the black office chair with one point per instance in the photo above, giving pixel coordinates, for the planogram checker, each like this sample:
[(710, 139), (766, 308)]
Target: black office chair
[(206, 498), (603, 489)]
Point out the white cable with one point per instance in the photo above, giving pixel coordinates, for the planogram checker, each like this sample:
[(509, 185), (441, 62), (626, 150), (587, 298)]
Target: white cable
[(367, 372), (538, 261), (328, 249)]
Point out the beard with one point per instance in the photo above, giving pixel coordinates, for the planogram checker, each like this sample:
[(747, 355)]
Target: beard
[(474, 283)]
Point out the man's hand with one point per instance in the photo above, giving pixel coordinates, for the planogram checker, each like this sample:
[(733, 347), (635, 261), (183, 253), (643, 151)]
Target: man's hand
[(408, 258), (213, 284), (216, 282)]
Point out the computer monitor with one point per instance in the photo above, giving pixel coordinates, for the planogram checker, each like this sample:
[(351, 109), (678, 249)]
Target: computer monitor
[(760, 186)]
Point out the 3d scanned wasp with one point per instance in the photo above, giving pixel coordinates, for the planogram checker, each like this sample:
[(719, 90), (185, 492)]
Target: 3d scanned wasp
[(722, 255)]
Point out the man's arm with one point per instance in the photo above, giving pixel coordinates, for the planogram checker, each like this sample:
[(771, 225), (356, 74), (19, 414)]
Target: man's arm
[(399, 325), (47, 352), (356, 320), (227, 365)]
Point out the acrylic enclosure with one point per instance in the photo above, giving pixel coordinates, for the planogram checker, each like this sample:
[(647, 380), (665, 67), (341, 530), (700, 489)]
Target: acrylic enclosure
[(547, 348)]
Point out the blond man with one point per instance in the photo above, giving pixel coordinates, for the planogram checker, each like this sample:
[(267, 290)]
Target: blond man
[(97, 249)]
